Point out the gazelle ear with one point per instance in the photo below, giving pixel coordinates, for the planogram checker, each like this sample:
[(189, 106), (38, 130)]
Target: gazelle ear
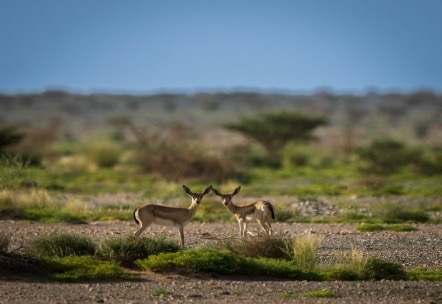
[(216, 192), (208, 189), (187, 190), (236, 190)]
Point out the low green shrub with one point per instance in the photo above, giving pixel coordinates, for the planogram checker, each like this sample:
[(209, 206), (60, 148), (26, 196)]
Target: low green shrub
[(367, 227), (61, 244), (223, 262), (424, 274), (377, 269), (161, 292), (325, 293), (340, 274), (270, 247), (203, 259), (126, 250), (85, 267)]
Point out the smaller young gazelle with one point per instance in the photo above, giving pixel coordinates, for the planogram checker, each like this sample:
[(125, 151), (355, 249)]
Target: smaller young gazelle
[(261, 211), (168, 216)]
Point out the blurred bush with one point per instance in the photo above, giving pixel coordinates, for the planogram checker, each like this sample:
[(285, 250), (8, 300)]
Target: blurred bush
[(430, 162), (177, 153), (104, 153), (387, 156)]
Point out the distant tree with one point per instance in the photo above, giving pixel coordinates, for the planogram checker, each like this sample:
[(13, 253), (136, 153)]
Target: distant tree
[(387, 156), (275, 129)]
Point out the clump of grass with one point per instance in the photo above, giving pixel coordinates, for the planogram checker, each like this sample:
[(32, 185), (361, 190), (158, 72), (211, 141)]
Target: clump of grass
[(61, 244), (223, 262), (348, 269), (288, 295), (325, 293), (126, 250), (358, 262), (366, 227), (424, 274), (86, 267), (377, 269), (161, 292), (270, 247), (305, 251), (25, 199)]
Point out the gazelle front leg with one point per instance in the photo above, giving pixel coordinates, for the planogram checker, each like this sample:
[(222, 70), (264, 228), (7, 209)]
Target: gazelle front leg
[(244, 231), (241, 228), (181, 231)]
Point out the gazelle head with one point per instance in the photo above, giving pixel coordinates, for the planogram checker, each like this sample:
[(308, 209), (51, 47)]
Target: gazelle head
[(196, 197), (227, 198)]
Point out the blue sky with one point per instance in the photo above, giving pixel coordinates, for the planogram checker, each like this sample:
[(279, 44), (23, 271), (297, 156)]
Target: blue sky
[(150, 46)]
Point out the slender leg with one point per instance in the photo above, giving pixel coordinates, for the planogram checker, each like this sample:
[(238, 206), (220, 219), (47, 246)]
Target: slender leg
[(181, 231), (264, 226), (245, 229), (241, 228), (269, 224), (140, 230)]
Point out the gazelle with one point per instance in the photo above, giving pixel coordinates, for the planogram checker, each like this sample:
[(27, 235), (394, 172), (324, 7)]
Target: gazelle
[(261, 211), (168, 216)]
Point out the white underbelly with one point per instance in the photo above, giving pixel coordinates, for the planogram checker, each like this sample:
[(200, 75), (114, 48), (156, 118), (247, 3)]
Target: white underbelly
[(166, 222), (250, 218)]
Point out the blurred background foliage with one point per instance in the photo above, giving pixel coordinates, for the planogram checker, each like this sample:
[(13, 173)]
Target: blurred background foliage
[(277, 144)]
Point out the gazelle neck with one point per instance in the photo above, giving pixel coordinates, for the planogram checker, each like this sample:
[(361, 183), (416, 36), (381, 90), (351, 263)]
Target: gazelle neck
[(232, 207), (193, 207)]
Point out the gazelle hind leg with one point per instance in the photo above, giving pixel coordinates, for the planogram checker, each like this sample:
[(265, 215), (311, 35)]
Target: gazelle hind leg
[(244, 231), (140, 230), (266, 227), (270, 232)]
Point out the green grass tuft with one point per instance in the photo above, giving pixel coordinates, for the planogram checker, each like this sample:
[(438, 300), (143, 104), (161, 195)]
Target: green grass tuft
[(305, 251), (81, 268), (161, 292), (366, 227), (126, 250), (270, 247), (223, 262), (377, 269), (61, 244), (326, 293), (424, 274)]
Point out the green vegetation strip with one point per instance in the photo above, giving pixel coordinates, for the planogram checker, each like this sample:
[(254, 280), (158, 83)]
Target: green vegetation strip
[(71, 257)]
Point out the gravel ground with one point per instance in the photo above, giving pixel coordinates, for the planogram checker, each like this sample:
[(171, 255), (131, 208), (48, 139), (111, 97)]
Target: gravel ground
[(421, 248)]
